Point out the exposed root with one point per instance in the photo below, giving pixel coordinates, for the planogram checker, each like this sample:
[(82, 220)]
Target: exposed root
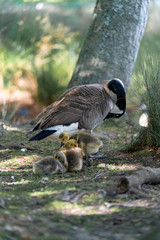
[(136, 180)]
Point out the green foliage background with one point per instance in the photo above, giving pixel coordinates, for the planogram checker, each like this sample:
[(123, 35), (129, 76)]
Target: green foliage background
[(42, 40)]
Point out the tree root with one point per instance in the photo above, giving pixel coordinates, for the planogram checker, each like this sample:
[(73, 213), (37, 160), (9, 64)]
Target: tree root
[(134, 181)]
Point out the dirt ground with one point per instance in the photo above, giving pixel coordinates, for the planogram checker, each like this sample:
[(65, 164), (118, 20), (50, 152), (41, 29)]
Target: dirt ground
[(78, 205)]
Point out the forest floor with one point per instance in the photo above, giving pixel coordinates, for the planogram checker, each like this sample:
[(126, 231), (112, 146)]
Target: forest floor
[(78, 205)]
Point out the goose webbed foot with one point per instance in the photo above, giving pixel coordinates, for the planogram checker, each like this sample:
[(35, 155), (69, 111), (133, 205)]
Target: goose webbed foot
[(100, 156)]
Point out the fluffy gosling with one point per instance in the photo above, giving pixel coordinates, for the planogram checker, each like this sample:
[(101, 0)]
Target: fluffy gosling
[(71, 156), (89, 143), (48, 165), (70, 143), (61, 157)]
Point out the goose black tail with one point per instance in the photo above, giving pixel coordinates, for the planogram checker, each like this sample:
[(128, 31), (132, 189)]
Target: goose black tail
[(41, 135)]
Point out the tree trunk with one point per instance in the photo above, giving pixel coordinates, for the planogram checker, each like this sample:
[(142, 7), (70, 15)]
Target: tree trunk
[(112, 43)]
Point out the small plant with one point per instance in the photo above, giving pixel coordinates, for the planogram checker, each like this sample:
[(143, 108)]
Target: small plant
[(7, 112), (150, 96)]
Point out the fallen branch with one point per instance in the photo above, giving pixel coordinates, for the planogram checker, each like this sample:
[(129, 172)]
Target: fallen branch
[(99, 175), (137, 179)]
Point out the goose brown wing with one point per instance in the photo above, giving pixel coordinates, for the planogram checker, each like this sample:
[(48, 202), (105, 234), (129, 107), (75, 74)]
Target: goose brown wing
[(96, 114), (77, 104)]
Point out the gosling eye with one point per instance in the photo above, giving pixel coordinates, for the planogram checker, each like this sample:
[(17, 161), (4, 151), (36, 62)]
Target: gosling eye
[(75, 145)]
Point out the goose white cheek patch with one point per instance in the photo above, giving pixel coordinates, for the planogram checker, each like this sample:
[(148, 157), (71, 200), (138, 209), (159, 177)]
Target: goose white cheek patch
[(116, 110)]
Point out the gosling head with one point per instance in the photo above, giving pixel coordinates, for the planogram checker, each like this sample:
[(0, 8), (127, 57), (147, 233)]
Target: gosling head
[(61, 157), (63, 138), (72, 143)]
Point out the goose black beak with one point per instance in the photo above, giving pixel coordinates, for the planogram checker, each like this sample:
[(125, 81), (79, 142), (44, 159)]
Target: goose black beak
[(61, 145)]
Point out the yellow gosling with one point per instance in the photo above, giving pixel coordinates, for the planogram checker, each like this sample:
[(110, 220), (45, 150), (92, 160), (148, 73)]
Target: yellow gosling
[(73, 154), (72, 143), (74, 158), (89, 143), (64, 137)]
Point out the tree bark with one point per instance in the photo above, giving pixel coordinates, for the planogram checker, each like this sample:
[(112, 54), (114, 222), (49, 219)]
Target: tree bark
[(112, 43), (137, 179)]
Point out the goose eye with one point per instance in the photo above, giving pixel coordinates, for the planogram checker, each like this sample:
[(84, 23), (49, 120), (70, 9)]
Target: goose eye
[(75, 145)]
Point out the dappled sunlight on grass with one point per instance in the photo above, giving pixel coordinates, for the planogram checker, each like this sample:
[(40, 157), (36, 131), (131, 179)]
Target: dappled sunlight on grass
[(113, 167), (80, 200), (15, 163), (73, 205), (19, 182)]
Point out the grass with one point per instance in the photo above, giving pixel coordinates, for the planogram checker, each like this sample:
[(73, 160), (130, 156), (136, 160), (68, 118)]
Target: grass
[(149, 95), (33, 208), (67, 205)]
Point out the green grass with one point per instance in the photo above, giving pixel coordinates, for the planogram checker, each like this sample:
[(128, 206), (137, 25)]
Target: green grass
[(32, 208), (149, 95)]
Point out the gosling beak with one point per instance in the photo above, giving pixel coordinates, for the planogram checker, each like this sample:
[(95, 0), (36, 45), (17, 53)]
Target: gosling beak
[(61, 145)]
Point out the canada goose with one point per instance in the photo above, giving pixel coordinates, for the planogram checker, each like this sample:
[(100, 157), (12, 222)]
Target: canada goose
[(71, 156), (48, 165), (82, 108), (89, 143)]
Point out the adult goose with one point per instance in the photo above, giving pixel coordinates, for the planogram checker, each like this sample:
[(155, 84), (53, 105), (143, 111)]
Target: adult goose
[(82, 108)]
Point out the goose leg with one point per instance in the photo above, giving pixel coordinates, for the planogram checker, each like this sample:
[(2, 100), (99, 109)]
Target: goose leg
[(87, 157), (98, 156), (87, 162)]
